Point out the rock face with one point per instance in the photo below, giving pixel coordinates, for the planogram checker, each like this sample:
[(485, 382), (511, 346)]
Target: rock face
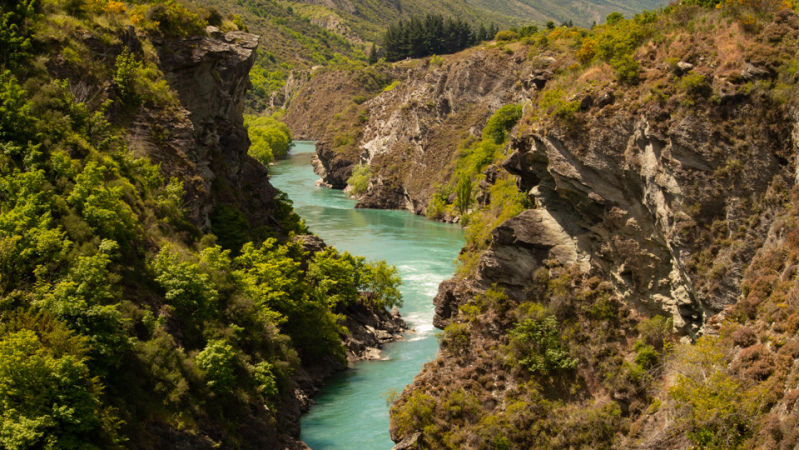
[(626, 199), (203, 141), (628, 192), (408, 133)]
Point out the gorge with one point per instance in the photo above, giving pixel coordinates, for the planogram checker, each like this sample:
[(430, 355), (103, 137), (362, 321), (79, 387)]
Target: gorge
[(351, 409), (624, 198)]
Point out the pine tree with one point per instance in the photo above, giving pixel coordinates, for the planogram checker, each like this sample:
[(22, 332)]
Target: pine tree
[(373, 54)]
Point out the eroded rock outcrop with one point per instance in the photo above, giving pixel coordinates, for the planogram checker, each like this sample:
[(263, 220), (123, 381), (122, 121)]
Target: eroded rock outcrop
[(408, 133), (203, 141)]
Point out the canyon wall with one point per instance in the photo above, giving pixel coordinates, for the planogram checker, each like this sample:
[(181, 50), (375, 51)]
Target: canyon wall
[(643, 200)]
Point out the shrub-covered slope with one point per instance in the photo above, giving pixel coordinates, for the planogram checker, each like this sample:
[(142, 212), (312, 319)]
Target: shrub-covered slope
[(124, 322), (628, 273)]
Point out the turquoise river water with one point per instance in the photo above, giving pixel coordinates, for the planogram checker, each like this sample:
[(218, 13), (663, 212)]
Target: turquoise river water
[(351, 411)]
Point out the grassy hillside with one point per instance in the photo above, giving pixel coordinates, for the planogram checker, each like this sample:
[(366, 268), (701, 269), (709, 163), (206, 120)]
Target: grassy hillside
[(580, 12), (298, 35)]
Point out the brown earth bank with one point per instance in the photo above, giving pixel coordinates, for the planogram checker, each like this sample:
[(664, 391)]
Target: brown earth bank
[(642, 295)]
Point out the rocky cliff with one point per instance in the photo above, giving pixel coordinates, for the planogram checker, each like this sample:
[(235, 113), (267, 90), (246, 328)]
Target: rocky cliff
[(408, 132), (647, 198), (204, 141)]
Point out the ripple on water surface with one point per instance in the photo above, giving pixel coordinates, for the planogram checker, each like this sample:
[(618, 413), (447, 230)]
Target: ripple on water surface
[(351, 411)]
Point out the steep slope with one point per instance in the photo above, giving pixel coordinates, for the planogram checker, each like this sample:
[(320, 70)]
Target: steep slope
[(300, 35), (124, 322), (638, 206)]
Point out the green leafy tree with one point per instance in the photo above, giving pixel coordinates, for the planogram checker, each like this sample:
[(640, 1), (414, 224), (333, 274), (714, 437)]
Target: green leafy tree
[(502, 122), (186, 288), (264, 374), (270, 138), (48, 397), (103, 205), (383, 282), (88, 300), (125, 78), (359, 180), (336, 276), (15, 42), (217, 361), (463, 194)]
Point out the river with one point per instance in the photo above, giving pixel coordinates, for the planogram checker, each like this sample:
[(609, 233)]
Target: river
[(351, 411)]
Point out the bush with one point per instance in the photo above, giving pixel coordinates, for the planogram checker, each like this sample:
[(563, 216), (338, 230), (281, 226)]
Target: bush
[(717, 411), (414, 414), (175, 20), (506, 35), (696, 85), (502, 122), (217, 362), (626, 68), (536, 343), (270, 139), (359, 181)]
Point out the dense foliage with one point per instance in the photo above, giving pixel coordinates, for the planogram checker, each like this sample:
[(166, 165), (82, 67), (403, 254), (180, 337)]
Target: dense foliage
[(270, 139), (117, 315), (433, 35)]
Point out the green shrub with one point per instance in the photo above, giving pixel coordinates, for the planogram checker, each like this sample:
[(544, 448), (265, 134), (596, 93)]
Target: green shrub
[(217, 362), (414, 414), (715, 409), (554, 102), (437, 206), (536, 343), (506, 35), (627, 69), (502, 122), (456, 338), (359, 181), (696, 85), (392, 86), (270, 139), (175, 20)]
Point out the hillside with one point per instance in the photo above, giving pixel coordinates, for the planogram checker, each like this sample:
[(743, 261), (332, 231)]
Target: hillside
[(297, 36), (156, 290), (629, 198)]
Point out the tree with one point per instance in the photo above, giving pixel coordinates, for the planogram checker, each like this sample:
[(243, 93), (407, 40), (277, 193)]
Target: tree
[(48, 397), (186, 288), (463, 194), (373, 55), (217, 361), (383, 282), (417, 38)]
